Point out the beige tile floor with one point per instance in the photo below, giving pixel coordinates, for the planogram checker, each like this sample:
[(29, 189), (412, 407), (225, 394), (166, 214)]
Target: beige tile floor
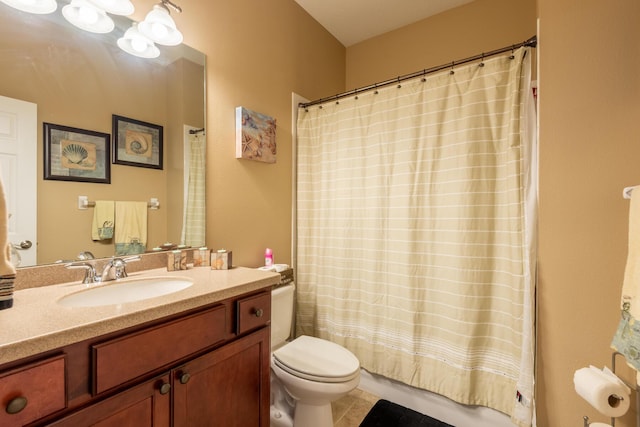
[(351, 409)]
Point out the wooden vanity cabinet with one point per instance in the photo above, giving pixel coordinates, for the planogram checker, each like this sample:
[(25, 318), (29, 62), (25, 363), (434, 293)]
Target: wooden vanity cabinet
[(209, 367), (228, 387)]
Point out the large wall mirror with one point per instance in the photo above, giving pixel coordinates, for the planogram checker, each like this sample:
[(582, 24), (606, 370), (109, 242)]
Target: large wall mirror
[(80, 80)]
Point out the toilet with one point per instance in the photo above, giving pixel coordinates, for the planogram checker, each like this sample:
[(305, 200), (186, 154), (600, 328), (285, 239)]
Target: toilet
[(308, 373)]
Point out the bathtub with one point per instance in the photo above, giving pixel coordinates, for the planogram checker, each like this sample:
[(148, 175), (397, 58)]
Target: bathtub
[(432, 404)]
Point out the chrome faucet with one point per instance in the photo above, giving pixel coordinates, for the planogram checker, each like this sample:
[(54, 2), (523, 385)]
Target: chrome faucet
[(119, 267), (89, 271)]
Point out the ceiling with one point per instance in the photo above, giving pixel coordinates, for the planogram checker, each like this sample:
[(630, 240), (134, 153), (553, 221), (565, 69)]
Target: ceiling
[(352, 21)]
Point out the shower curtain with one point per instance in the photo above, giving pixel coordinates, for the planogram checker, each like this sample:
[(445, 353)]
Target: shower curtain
[(415, 215), (194, 221)]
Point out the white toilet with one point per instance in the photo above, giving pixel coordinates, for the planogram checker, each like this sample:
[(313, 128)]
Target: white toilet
[(308, 373)]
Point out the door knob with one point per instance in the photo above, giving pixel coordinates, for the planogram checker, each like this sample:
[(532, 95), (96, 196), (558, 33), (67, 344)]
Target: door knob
[(165, 388), (184, 378), (25, 244)]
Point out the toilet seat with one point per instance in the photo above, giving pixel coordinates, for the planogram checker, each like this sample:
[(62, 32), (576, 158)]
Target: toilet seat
[(318, 360)]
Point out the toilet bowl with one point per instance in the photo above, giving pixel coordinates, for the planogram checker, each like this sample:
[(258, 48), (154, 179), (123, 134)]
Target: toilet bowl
[(308, 373)]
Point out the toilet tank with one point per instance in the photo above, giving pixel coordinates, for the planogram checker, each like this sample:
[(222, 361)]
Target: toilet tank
[(281, 314)]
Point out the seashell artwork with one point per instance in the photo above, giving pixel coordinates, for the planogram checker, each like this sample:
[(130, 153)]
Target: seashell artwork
[(138, 143), (75, 153), (78, 155)]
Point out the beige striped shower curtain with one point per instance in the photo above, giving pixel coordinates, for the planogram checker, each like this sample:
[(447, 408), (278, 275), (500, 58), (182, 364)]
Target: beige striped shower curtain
[(414, 231), (194, 220)]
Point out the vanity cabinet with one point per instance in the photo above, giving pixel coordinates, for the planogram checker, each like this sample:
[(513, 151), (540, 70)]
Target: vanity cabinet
[(207, 367)]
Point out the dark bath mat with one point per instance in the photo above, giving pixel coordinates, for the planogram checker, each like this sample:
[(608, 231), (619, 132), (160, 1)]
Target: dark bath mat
[(388, 414)]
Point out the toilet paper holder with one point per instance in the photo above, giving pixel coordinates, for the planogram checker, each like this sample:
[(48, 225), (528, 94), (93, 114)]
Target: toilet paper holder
[(631, 386)]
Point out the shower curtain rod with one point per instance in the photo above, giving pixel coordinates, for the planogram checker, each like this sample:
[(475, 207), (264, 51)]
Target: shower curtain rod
[(532, 42)]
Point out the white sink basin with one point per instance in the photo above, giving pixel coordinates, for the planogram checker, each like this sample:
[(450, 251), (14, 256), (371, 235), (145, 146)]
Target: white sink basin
[(125, 290)]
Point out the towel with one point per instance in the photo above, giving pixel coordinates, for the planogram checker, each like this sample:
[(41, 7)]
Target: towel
[(131, 228), (103, 214), (7, 270), (626, 339)]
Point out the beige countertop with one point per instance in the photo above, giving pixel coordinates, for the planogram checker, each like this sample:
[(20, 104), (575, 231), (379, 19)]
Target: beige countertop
[(37, 323)]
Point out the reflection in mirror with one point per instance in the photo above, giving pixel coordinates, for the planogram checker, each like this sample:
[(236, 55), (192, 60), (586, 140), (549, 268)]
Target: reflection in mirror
[(80, 80)]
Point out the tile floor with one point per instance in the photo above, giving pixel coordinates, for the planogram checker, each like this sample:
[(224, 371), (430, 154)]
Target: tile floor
[(351, 409)]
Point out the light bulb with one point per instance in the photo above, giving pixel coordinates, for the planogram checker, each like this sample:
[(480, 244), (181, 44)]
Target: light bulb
[(88, 15), (138, 44), (159, 30), (160, 27)]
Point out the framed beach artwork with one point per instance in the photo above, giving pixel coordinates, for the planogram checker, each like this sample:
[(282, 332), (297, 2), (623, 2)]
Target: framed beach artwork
[(137, 143), (72, 154), (255, 136)]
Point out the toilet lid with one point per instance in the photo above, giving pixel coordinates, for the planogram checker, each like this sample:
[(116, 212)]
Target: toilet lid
[(316, 359)]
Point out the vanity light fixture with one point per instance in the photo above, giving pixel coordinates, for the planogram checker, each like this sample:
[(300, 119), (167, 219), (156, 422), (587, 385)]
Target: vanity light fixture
[(160, 27), (115, 7), (41, 7), (136, 43), (87, 16)]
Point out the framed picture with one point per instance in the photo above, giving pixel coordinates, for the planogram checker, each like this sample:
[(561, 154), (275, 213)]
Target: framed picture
[(255, 136), (72, 154), (137, 143)]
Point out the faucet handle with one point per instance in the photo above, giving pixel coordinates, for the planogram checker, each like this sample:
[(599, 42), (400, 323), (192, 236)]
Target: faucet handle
[(120, 265), (89, 270)]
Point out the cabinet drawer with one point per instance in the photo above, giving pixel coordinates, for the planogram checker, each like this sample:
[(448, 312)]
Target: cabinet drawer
[(37, 388), (254, 312), (122, 359)]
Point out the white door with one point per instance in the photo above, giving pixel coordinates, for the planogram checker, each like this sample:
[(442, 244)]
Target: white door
[(18, 142)]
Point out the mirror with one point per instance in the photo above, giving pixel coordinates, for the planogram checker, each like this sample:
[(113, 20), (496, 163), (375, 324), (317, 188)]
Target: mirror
[(80, 80)]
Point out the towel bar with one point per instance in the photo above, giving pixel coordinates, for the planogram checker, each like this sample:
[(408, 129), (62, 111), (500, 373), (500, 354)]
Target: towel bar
[(85, 203)]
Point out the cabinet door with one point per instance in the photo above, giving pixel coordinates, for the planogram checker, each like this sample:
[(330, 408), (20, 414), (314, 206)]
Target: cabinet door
[(148, 404), (228, 387)]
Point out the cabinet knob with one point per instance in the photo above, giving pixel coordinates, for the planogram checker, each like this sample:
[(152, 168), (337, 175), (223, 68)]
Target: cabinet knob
[(165, 388), (258, 312), (184, 378), (16, 405)]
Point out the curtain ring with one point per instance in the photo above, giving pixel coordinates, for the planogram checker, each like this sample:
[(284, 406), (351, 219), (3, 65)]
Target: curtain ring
[(375, 87), (481, 61), (424, 76), (399, 85), (452, 64), (356, 92), (512, 56)]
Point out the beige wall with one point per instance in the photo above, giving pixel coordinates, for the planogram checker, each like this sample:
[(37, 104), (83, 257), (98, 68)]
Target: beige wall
[(468, 30), (589, 127)]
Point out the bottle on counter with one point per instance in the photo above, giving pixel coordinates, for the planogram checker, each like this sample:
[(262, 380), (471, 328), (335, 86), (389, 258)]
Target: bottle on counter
[(268, 257)]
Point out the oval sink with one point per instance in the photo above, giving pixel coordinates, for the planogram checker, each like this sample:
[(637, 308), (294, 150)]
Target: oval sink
[(124, 291)]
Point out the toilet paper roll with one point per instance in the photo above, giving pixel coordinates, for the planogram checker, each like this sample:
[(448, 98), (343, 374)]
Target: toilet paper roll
[(602, 390)]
